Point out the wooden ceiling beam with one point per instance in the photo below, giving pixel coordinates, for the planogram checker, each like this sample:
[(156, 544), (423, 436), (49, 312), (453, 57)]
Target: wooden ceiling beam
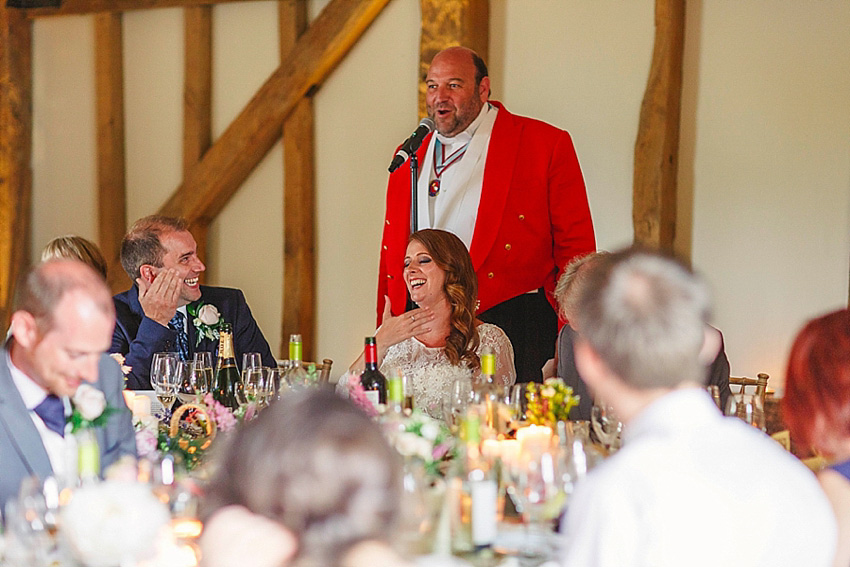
[(299, 199), (111, 172), (657, 145), (445, 24), (209, 185), (77, 7), (197, 103), (15, 152)]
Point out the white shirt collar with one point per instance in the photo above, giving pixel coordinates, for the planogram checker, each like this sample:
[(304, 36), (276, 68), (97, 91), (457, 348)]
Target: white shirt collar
[(465, 136), (31, 393)]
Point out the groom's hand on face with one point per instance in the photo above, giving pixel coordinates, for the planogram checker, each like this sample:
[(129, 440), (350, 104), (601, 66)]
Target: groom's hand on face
[(159, 294)]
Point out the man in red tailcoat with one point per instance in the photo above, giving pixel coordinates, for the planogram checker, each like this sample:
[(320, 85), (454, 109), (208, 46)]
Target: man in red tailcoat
[(510, 187)]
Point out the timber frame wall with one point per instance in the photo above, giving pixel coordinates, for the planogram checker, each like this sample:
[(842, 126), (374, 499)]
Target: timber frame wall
[(213, 171)]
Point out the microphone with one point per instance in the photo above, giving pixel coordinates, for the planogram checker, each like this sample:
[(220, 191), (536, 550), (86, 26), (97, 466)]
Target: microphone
[(412, 144)]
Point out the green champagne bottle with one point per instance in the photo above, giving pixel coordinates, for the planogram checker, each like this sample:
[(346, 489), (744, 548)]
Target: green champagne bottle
[(227, 374)]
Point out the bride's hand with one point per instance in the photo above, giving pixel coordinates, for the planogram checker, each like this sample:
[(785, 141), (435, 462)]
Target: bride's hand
[(394, 330)]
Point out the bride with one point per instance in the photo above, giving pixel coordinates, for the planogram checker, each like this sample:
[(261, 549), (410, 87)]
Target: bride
[(440, 340)]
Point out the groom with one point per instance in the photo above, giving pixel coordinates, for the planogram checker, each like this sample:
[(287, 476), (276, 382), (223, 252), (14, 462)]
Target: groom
[(60, 330), (167, 309)]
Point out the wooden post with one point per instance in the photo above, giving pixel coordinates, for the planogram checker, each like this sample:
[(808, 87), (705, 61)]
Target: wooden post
[(657, 144), (15, 152), (211, 183), (197, 104), (111, 184), (299, 201), (445, 24)]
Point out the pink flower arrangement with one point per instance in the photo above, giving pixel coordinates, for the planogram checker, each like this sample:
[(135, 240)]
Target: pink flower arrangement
[(221, 415), (357, 394), (146, 441)]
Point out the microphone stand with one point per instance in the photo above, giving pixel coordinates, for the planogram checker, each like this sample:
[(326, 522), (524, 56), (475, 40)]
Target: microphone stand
[(414, 210), (414, 204)]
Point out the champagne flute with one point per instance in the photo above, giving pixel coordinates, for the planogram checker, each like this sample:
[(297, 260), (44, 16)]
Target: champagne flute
[(250, 361), (253, 379), (204, 364), (202, 375), (276, 385), (605, 425)]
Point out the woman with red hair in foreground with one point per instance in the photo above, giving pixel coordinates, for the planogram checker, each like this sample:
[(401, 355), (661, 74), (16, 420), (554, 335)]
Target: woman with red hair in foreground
[(816, 408)]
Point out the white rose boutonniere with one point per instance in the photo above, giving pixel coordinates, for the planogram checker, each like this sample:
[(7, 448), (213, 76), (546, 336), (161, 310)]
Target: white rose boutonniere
[(206, 319), (90, 409)]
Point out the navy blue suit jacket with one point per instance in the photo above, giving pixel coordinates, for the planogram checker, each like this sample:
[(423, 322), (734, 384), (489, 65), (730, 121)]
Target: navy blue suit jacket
[(22, 453), (138, 337)]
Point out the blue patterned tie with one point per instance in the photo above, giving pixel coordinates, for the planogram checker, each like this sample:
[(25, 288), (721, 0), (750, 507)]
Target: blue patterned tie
[(52, 413), (176, 324)]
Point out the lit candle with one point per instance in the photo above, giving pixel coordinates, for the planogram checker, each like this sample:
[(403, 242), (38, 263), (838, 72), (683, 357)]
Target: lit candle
[(509, 451), (490, 449), (141, 406), (534, 439), (128, 398)]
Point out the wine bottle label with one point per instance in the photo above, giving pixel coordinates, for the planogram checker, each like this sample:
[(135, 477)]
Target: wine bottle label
[(484, 495), (374, 397)]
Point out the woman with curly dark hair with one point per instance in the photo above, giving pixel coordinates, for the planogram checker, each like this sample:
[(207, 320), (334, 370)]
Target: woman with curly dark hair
[(440, 340)]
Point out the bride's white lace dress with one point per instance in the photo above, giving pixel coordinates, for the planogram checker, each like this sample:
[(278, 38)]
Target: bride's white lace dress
[(430, 373)]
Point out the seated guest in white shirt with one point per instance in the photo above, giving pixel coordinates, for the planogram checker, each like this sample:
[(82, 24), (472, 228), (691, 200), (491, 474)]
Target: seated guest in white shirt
[(689, 487), (61, 328)]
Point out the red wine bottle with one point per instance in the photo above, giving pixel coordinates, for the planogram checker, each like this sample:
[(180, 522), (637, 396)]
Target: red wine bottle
[(374, 383)]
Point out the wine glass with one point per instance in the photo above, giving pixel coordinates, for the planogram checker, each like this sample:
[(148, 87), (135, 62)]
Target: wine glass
[(276, 385), (201, 377), (605, 425), (253, 381), (204, 362), (535, 486), (156, 368), (165, 378), (454, 406), (187, 381), (250, 361), (748, 407), (518, 402)]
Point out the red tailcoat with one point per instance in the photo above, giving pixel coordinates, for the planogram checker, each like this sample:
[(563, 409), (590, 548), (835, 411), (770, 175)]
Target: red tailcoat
[(532, 219)]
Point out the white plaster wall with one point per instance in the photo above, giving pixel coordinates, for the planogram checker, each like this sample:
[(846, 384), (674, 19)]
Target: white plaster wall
[(772, 170), (765, 174)]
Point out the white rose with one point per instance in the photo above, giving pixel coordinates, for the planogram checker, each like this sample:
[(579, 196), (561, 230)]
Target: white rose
[(209, 315), (90, 401), (430, 430)]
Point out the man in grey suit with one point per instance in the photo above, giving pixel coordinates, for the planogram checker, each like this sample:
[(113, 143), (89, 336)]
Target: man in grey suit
[(61, 328)]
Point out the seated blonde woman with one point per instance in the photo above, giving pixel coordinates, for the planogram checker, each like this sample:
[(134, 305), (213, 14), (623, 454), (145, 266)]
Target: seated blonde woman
[(816, 408), (75, 248), (310, 482), (440, 340)]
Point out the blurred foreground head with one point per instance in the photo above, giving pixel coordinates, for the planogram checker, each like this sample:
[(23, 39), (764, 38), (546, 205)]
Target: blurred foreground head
[(61, 325), (316, 466), (816, 404)]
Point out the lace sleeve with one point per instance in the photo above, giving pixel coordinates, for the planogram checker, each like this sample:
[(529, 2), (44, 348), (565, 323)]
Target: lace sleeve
[(494, 337)]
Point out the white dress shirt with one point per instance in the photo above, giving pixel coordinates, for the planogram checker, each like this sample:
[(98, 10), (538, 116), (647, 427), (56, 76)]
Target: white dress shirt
[(690, 487), (455, 208), (62, 451)]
